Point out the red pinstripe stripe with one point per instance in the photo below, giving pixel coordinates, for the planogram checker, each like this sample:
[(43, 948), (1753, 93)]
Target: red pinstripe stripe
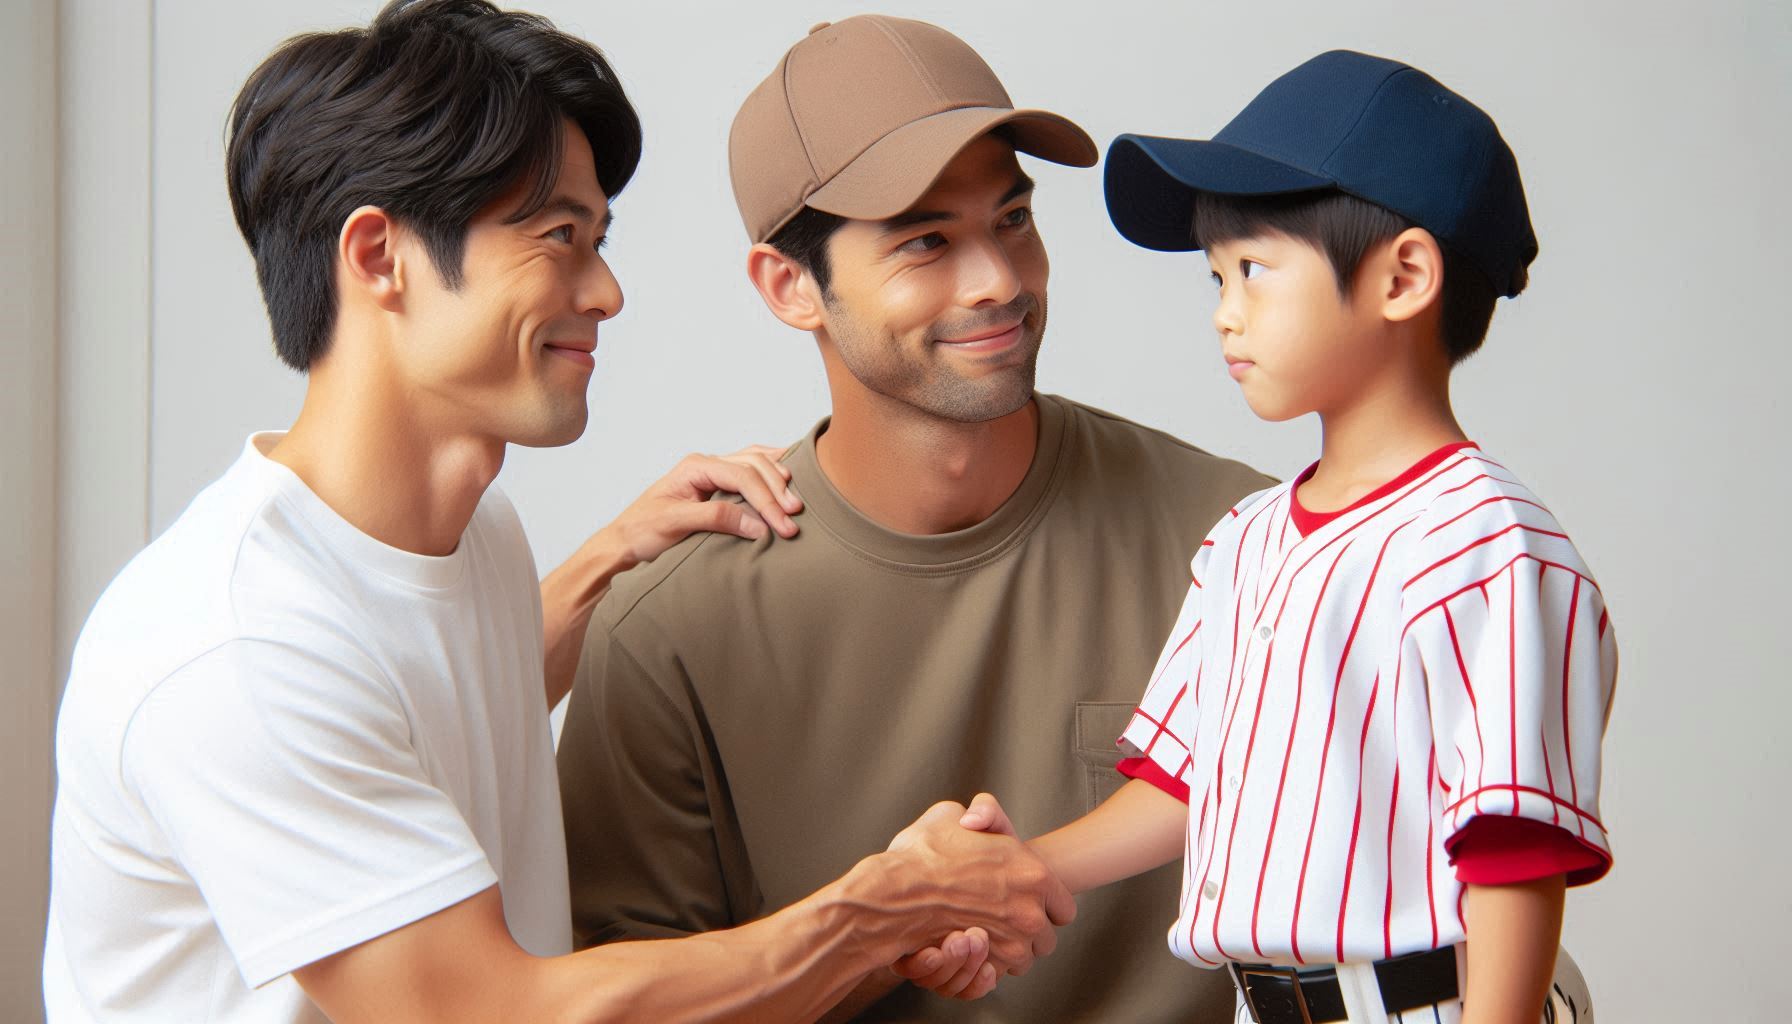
[(1484, 540), (1163, 727), (1468, 687), (1549, 775), (1195, 891), (1262, 557), (1485, 501), (1512, 677), (1387, 907), (1514, 787), (1465, 483), (1356, 824), (1567, 733), (1431, 776)]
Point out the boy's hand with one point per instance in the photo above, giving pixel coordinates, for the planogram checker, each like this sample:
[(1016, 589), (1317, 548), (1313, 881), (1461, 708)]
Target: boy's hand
[(958, 967), (986, 815)]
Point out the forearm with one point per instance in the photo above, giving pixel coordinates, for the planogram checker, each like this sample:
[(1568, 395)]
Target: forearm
[(1513, 934), (569, 595), (1138, 828), (793, 965), (863, 996)]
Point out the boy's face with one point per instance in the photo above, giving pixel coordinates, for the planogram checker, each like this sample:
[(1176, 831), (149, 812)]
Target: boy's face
[(1293, 343), (508, 353), (943, 307)]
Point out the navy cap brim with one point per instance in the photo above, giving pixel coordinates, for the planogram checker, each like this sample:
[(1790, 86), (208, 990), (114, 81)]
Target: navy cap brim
[(1151, 183)]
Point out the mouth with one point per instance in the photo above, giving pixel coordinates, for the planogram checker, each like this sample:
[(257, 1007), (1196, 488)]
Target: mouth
[(994, 339), (577, 351), (1238, 367)]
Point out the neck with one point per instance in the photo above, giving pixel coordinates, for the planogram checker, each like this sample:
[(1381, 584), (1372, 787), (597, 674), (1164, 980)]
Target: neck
[(918, 474), (1381, 434), (381, 463)]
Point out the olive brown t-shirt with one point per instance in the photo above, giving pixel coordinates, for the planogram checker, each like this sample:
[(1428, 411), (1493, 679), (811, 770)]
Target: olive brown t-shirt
[(751, 718)]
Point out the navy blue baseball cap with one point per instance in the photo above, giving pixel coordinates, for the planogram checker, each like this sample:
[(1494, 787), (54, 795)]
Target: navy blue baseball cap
[(1374, 128)]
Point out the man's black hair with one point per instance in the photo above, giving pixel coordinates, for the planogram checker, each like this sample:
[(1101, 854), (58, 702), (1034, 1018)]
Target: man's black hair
[(805, 241), (1344, 228), (432, 112)]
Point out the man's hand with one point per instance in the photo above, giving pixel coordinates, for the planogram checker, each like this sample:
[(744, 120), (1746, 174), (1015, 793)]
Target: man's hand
[(676, 506), (958, 966), (984, 879)]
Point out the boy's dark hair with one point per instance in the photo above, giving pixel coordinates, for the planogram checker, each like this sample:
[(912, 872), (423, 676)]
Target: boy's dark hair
[(805, 240), (430, 113), (1344, 228)]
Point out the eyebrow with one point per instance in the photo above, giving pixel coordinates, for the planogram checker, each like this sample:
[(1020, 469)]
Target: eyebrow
[(574, 208), (909, 218)]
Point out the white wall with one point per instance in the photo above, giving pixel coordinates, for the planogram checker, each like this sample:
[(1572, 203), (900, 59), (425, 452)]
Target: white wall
[(27, 484), (1636, 384)]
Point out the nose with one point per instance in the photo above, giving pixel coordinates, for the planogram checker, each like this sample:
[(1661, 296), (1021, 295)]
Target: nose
[(1228, 316), (599, 294), (986, 274)]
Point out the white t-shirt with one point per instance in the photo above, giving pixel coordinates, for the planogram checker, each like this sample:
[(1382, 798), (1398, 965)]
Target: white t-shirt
[(282, 738)]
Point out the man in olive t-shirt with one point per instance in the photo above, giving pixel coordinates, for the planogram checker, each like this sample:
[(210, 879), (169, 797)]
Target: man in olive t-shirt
[(982, 578)]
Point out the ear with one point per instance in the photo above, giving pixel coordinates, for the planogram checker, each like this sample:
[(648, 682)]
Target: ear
[(1409, 277), (368, 251), (789, 291)]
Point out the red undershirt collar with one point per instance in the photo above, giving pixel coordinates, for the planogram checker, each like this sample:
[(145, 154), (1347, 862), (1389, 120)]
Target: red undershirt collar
[(1306, 521)]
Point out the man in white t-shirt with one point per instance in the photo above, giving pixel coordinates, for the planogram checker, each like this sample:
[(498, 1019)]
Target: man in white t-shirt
[(304, 757)]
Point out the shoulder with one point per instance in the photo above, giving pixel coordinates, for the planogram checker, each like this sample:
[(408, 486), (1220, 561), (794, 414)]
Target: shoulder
[(692, 582), (1478, 520), (500, 528), (172, 602)]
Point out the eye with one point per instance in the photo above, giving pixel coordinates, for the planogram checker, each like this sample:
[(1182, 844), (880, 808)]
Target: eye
[(1249, 268), (923, 243), (1215, 276), (601, 243), (1019, 217), (562, 234)]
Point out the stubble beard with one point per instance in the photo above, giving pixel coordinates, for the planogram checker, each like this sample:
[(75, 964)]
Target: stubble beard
[(929, 384)]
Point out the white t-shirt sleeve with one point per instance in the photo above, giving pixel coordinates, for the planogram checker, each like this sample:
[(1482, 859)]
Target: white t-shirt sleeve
[(1510, 632), (287, 786)]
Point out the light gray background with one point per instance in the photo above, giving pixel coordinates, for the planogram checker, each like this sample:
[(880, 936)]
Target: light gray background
[(1636, 385)]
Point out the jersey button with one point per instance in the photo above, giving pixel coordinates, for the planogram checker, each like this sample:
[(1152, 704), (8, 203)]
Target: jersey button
[(1210, 890), (1264, 633), (1233, 782)]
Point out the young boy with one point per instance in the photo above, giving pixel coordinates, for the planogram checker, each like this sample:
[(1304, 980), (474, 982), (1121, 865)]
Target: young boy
[(1374, 733)]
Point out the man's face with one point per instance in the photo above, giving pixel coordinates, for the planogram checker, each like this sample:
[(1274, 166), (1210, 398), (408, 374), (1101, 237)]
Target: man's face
[(942, 307), (1293, 343), (508, 353)]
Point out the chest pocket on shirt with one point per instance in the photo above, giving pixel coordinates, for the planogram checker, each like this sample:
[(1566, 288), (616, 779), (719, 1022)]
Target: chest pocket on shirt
[(1098, 724)]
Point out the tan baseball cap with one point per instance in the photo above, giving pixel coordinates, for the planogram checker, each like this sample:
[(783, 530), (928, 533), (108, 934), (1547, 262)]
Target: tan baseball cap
[(860, 118)]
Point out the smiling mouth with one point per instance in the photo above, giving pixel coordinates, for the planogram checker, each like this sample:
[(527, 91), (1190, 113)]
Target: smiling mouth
[(578, 352), (993, 339)]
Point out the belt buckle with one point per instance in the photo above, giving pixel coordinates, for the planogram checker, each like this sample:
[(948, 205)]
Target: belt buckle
[(1241, 973)]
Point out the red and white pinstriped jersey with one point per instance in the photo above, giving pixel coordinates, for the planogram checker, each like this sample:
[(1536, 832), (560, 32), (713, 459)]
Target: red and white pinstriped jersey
[(1340, 702)]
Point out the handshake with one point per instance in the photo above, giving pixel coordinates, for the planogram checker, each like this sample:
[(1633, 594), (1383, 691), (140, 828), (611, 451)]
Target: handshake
[(971, 900)]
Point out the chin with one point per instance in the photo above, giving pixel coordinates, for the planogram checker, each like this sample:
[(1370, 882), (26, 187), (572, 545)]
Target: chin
[(559, 427)]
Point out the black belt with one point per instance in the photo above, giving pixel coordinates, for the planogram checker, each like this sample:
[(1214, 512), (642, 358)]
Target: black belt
[(1310, 995)]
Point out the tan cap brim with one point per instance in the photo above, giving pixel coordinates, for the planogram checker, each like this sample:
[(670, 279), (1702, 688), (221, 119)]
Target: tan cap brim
[(899, 168)]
